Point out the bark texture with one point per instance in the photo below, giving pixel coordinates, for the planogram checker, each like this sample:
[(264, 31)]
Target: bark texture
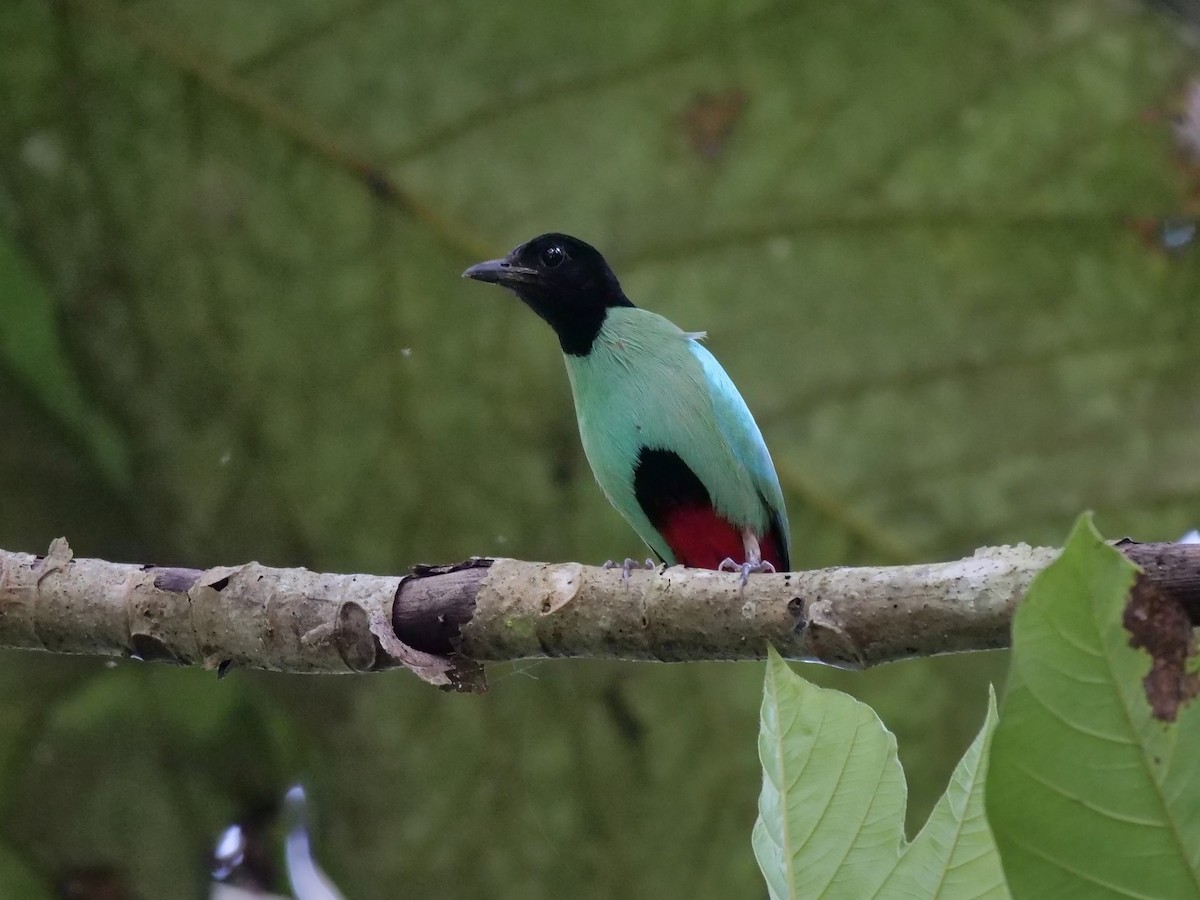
[(442, 622)]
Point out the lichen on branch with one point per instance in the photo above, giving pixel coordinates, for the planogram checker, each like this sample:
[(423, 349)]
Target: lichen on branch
[(443, 622)]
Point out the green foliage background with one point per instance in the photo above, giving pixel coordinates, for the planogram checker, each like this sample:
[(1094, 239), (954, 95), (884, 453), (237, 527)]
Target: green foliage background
[(231, 327)]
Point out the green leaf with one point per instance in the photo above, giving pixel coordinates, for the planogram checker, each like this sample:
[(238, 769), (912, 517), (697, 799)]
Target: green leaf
[(1088, 795), (831, 811), (955, 855)]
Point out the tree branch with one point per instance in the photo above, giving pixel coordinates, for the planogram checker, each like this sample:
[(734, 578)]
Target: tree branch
[(443, 621)]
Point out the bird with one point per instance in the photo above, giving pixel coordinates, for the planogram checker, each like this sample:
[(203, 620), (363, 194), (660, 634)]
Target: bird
[(670, 440)]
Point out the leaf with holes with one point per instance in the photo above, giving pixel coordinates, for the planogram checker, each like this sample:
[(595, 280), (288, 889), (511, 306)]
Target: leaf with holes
[(1089, 795)]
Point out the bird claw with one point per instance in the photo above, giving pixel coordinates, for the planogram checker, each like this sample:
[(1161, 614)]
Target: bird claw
[(628, 566), (746, 568)]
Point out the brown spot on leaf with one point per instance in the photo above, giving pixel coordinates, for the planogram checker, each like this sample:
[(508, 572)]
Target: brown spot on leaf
[(1157, 623), (711, 118)]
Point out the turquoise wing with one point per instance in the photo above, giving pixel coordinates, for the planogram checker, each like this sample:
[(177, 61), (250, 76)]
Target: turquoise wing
[(741, 433)]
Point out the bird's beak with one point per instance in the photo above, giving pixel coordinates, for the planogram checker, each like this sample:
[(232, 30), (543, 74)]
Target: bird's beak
[(500, 271)]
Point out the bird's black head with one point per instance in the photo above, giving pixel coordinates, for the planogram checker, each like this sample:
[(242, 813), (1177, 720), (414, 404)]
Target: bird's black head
[(563, 280)]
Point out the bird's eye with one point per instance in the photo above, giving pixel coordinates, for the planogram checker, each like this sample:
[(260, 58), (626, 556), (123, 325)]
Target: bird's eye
[(553, 256)]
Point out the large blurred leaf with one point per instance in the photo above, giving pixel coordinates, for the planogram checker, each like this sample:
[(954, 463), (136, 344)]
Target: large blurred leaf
[(904, 227), (1089, 795)]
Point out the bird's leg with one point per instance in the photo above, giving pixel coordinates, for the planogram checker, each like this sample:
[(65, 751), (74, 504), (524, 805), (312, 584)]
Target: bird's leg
[(754, 561), (628, 566)]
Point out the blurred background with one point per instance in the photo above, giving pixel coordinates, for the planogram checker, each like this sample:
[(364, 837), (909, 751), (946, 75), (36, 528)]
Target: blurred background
[(945, 250)]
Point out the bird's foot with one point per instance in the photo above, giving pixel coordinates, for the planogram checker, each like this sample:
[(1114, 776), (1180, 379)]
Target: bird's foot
[(746, 568), (628, 566)]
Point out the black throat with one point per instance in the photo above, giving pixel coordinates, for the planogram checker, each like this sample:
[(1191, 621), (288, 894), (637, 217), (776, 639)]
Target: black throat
[(575, 325)]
